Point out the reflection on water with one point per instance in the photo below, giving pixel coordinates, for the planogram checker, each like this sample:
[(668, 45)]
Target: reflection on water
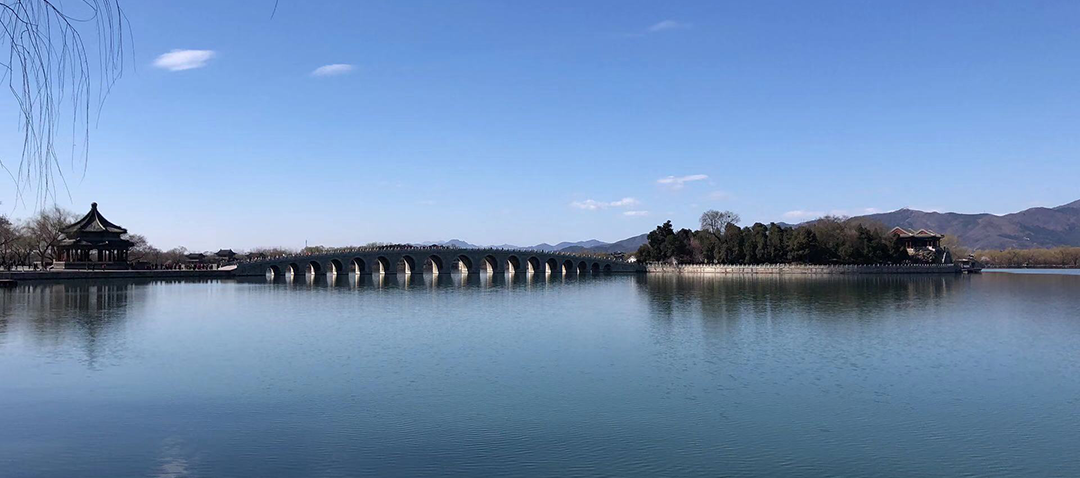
[(424, 280), (54, 316), (536, 375), (733, 296)]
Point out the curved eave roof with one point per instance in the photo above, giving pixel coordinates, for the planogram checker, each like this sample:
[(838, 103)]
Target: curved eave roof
[(93, 221)]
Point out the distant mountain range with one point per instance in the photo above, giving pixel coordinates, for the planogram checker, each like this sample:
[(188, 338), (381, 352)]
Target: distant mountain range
[(630, 244), (1038, 227)]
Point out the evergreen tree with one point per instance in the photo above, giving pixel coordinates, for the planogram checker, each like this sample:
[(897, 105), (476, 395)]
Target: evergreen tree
[(803, 247), (777, 244), (681, 245), (757, 244), (706, 242), (658, 242), (731, 250)]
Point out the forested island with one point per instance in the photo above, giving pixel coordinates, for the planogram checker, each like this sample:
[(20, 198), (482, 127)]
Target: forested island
[(829, 240)]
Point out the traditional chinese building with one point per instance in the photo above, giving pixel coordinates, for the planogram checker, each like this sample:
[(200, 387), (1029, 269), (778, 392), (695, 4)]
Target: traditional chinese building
[(225, 255), (93, 243), (915, 241)]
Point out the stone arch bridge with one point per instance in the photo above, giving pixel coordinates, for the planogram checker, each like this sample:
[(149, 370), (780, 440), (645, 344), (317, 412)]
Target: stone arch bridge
[(433, 260)]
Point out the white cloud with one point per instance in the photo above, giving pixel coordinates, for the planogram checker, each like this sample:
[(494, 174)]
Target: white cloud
[(858, 212), (668, 25), (334, 69), (674, 182), (588, 205), (636, 213), (720, 195), (179, 60), (594, 205), (803, 215)]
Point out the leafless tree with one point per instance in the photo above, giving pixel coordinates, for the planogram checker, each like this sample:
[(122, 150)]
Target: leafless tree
[(141, 249), (9, 233), (715, 221), (23, 247), (50, 72), (46, 230)]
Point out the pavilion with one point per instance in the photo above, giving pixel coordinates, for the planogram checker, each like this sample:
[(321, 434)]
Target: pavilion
[(93, 243), (915, 241)]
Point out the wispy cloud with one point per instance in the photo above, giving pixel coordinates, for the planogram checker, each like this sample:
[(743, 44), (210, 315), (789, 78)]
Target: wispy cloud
[(594, 205), (803, 215), (332, 70), (677, 182), (720, 196), (588, 205), (179, 60), (668, 25), (636, 213), (625, 202)]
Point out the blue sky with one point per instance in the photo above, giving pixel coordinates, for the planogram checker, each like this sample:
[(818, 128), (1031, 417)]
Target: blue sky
[(515, 122)]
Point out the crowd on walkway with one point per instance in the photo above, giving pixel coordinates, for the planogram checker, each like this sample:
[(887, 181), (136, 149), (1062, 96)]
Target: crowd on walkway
[(433, 247)]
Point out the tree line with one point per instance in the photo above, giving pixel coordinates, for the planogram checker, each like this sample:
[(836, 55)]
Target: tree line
[(1055, 257), (33, 242), (829, 240)]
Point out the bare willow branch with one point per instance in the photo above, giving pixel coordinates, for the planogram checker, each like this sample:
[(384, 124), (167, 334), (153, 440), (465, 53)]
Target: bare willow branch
[(50, 72)]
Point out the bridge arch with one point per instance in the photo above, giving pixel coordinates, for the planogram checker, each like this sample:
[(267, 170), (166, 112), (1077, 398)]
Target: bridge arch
[(314, 268), (513, 265), (595, 268), (293, 269), (434, 265), (533, 265), (405, 265), (607, 268), (273, 272), (335, 267), (489, 264), (358, 265), (465, 265), (568, 266), (582, 268), (381, 265), (552, 266)]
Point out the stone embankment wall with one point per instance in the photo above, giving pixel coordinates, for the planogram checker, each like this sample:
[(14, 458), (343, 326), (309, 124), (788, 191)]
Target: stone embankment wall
[(797, 269)]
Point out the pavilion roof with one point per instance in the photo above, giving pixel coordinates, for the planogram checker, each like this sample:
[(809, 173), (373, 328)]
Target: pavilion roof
[(93, 221)]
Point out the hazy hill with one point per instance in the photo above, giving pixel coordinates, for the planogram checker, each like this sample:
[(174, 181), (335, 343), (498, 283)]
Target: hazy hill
[(630, 244), (627, 245), (1037, 227)]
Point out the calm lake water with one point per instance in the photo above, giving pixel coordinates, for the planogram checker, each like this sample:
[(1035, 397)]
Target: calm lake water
[(617, 376)]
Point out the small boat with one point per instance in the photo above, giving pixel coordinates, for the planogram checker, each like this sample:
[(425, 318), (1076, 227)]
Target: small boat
[(970, 265)]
